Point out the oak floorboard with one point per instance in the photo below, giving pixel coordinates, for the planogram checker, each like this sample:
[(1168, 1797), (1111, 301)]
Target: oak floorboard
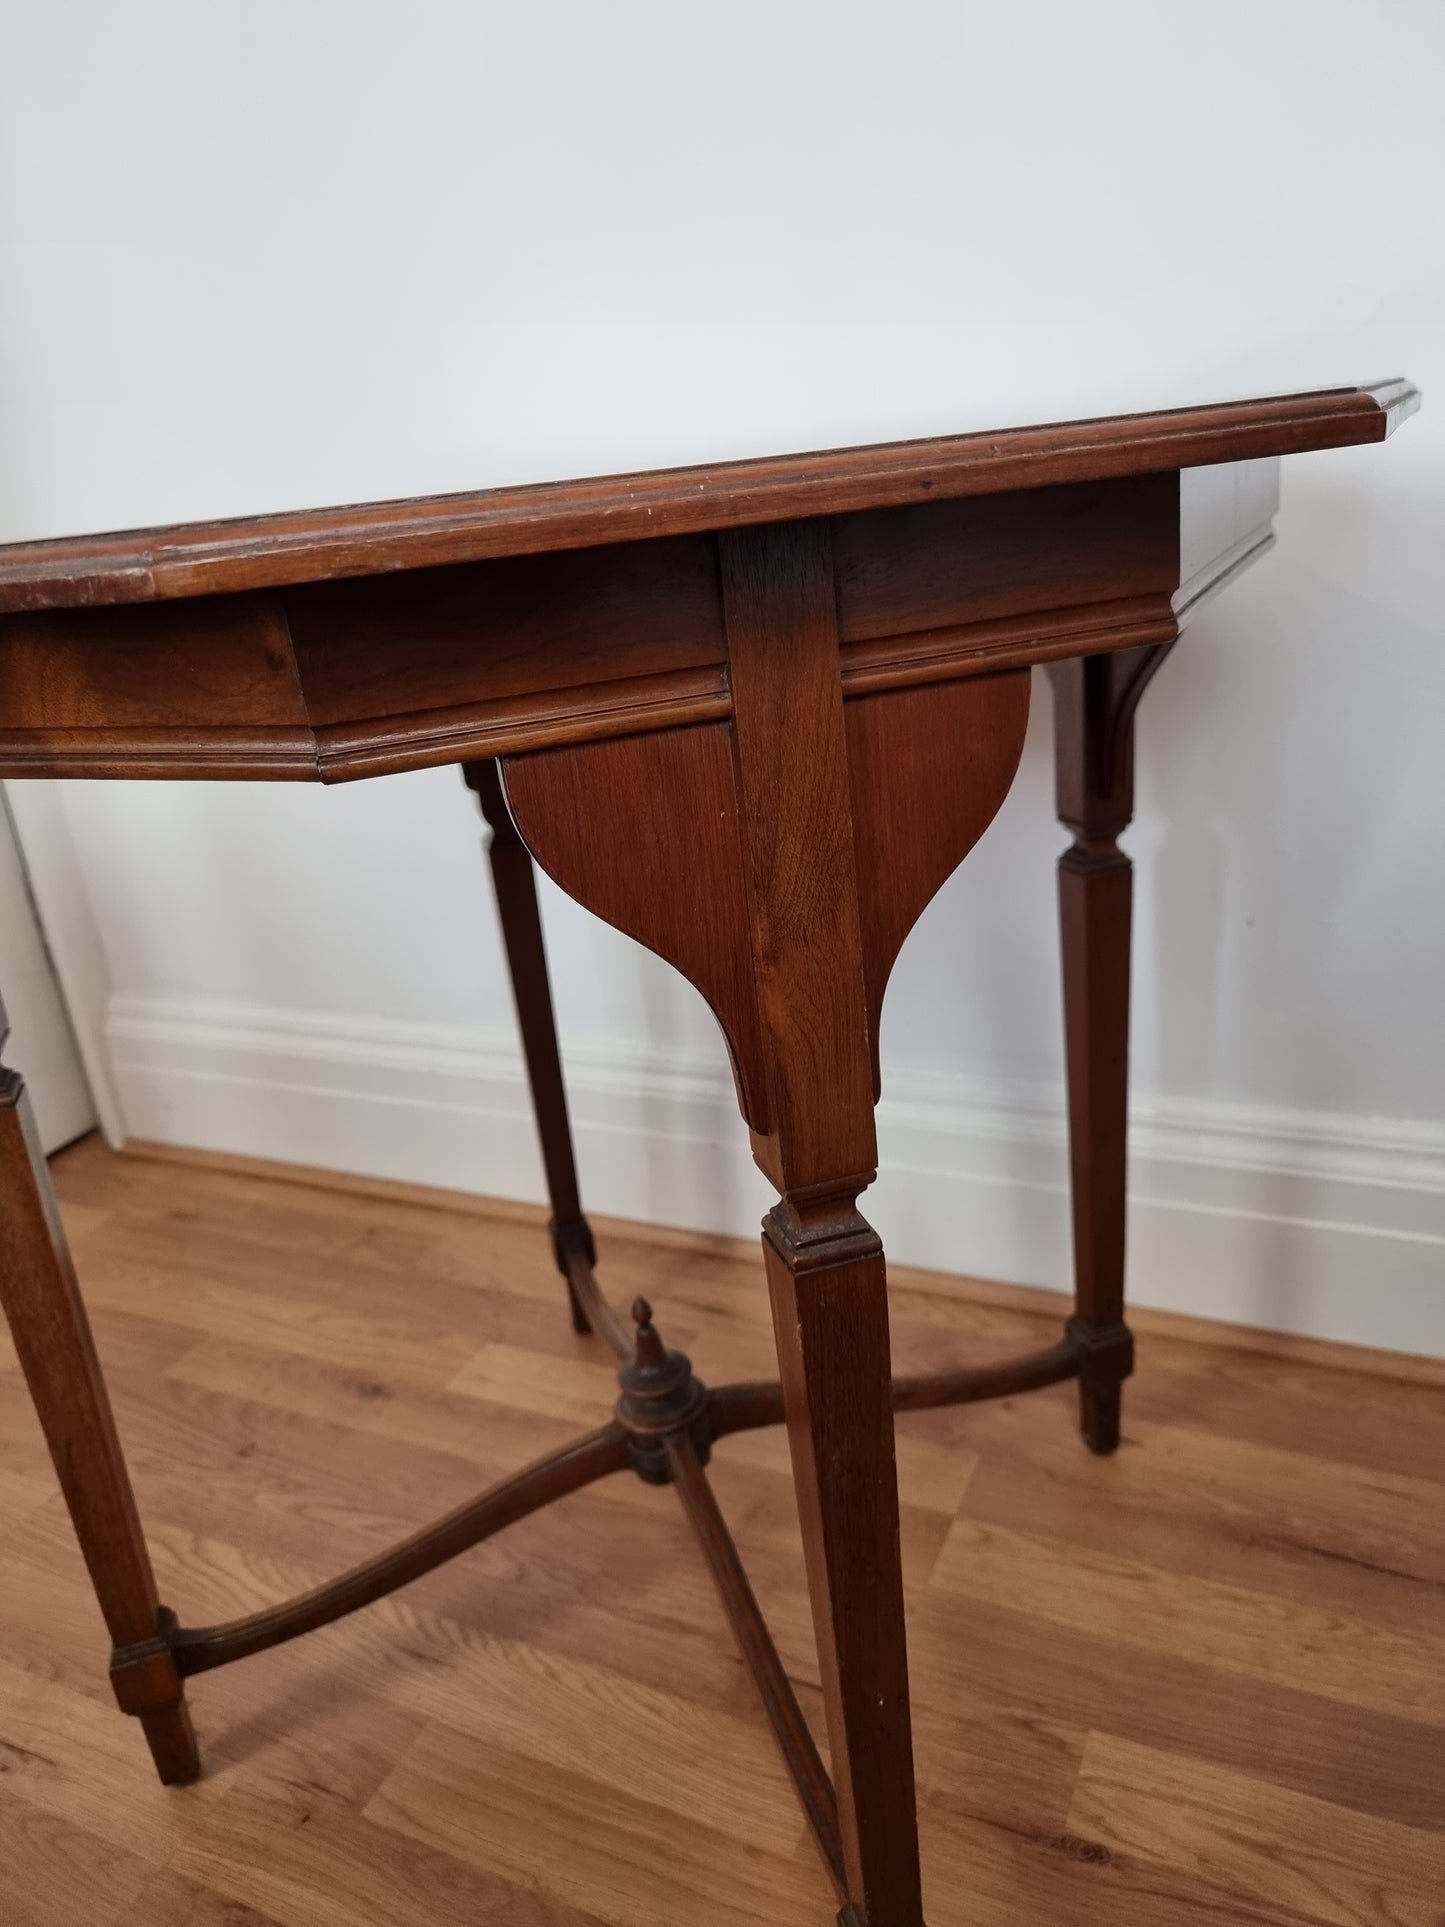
[(66, 1755), (170, 1900), (967, 1651), (1320, 1531), (55, 1874), (1395, 1426), (583, 1841), (306, 1863), (1197, 1684), (283, 1319), (1261, 1843), (1253, 1635), (373, 1404), (1037, 1877)]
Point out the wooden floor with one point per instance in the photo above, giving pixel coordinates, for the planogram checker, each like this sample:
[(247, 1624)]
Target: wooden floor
[(1202, 1682)]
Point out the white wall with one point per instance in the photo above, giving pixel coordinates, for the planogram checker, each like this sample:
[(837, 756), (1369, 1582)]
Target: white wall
[(292, 254), (40, 1035)]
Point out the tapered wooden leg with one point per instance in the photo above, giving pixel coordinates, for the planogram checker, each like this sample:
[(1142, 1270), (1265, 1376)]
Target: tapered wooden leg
[(830, 1320), (57, 1354), (1094, 702), (515, 885)]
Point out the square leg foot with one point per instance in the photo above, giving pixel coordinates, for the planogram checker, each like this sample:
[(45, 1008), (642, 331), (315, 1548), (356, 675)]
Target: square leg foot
[(1107, 1360), (172, 1741), (1099, 1408)]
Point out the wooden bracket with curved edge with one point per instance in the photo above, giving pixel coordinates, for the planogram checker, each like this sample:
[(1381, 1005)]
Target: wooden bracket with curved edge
[(1095, 699), (928, 769)]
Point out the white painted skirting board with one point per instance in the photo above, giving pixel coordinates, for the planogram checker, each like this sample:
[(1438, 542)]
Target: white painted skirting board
[(1298, 1221)]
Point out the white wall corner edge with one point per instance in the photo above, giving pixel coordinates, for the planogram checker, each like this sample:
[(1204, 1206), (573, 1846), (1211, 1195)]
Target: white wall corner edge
[(72, 937), (1313, 1223)]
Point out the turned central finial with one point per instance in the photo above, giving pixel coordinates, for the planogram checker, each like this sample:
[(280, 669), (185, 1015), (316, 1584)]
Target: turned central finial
[(660, 1399), (649, 1346)]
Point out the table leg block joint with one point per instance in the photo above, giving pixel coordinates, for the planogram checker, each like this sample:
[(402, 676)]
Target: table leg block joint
[(1106, 1359), (147, 1684), (143, 1675)]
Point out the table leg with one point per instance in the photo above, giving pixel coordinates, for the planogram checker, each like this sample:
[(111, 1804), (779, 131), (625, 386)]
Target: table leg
[(57, 1354), (825, 1264), (514, 884), (729, 849), (1094, 702), (830, 1319)]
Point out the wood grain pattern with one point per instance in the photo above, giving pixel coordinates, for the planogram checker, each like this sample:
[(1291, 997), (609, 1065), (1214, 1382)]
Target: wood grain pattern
[(928, 770), (437, 658), (514, 627), (268, 551), (644, 831), (790, 757), (198, 688), (1311, 1857), (1401, 1674), (560, 1830), (459, 1760), (939, 564)]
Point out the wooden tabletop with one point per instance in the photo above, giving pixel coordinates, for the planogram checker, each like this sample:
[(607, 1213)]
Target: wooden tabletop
[(272, 551)]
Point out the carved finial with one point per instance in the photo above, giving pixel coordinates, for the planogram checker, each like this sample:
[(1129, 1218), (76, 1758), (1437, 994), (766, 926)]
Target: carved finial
[(649, 1345), (660, 1397)]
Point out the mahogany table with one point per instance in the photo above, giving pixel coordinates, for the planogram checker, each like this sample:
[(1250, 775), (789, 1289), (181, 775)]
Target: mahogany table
[(753, 714)]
